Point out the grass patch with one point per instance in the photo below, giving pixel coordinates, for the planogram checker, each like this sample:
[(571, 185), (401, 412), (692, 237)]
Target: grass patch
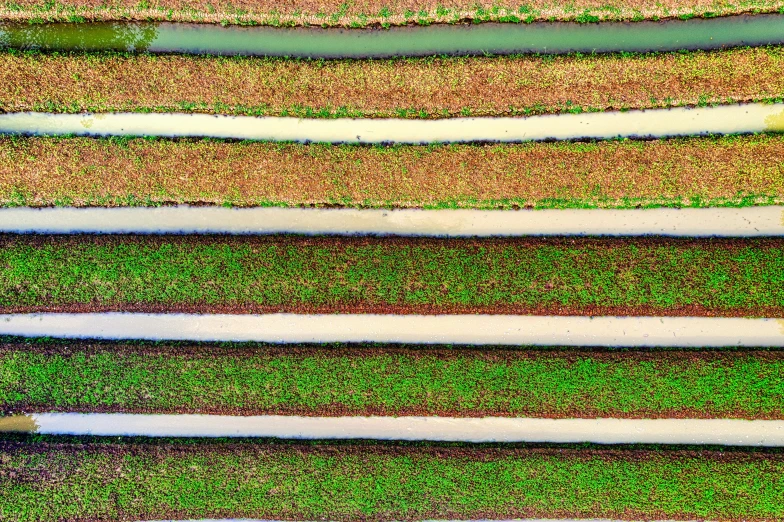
[(337, 13), (686, 172), (396, 275), (253, 380), (143, 481)]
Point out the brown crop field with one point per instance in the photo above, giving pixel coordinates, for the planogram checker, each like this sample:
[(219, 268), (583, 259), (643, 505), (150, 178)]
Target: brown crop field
[(734, 170), (414, 88), (362, 13)]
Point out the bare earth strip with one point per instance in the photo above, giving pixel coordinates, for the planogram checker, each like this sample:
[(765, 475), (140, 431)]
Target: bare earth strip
[(370, 12), (616, 174), (419, 88)]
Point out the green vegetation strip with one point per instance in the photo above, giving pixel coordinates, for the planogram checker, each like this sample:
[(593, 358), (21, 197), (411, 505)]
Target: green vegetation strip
[(325, 381), (365, 13), (645, 276), (164, 480)]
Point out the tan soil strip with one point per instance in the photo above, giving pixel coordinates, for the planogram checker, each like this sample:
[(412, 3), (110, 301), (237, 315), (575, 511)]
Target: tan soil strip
[(18, 424), (363, 12), (433, 88), (86, 171)]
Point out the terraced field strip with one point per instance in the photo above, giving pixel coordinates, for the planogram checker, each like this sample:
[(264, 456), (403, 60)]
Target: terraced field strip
[(325, 380), (438, 87), (423, 329), (393, 275), (723, 119), (691, 172), (133, 480), (704, 222), (371, 12), (726, 432), (439, 39)]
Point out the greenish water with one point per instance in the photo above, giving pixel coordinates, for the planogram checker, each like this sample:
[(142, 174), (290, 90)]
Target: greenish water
[(493, 38)]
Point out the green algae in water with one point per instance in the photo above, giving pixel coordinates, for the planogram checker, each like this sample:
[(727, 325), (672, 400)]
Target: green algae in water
[(459, 39)]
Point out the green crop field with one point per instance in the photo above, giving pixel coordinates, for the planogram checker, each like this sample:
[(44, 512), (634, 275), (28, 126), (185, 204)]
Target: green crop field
[(141, 481), (252, 380), (289, 273)]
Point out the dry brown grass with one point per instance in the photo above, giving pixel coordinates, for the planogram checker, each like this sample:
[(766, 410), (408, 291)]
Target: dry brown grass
[(365, 12), (695, 171), (384, 88)]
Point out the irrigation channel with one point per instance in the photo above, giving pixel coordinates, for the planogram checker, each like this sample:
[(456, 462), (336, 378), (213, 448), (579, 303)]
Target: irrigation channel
[(652, 123), (469, 329), (439, 39), (690, 222), (730, 432)]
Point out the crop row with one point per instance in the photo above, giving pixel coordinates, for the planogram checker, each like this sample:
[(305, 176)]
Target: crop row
[(250, 379), (196, 479), (392, 275), (409, 88), (732, 170)]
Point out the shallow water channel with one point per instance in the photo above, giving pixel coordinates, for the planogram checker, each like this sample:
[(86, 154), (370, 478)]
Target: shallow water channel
[(688, 222), (488, 429), (480, 329), (723, 119), (439, 39)]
